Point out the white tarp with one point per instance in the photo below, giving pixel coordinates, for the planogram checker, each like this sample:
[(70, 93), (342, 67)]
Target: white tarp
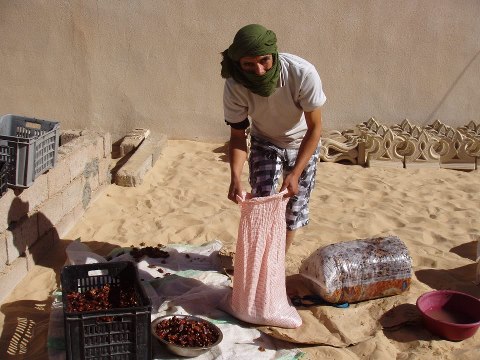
[(194, 285)]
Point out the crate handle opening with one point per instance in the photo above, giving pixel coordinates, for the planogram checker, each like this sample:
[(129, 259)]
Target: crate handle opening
[(98, 272), (33, 125)]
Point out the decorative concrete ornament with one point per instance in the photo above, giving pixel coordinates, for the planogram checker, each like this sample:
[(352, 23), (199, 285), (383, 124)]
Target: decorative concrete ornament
[(339, 147)]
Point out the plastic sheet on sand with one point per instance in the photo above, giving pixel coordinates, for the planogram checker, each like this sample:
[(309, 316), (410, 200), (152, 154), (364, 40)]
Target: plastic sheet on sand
[(194, 285)]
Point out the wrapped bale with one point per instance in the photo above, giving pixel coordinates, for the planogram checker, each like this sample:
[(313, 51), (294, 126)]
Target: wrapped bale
[(358, 270)]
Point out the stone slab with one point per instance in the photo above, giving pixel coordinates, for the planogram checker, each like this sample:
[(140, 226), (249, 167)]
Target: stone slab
[(385, 164), (133, 171), (133, 140)]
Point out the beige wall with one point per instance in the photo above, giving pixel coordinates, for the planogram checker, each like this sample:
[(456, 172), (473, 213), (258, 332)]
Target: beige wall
[(115, 65)]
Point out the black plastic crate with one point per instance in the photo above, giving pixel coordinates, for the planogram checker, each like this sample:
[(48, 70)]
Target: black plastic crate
[(127, 333), (3, 177), (29, 146)]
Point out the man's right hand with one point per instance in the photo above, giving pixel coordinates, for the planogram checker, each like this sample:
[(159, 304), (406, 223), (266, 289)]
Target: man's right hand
[(234, 191)]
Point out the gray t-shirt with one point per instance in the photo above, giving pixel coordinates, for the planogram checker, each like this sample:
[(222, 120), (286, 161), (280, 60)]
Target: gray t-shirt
[(278, 118)]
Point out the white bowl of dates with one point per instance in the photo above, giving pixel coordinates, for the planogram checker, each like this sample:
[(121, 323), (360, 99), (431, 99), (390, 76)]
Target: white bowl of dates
[(186, 335)]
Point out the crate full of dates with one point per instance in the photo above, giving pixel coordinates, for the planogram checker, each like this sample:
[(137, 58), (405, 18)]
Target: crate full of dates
[(106, 312), (357, 270)]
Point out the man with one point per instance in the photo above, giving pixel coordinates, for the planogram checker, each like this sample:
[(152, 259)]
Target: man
[(279, 95)]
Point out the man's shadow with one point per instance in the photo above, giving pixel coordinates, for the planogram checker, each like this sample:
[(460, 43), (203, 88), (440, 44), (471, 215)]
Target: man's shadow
[(32, 239)]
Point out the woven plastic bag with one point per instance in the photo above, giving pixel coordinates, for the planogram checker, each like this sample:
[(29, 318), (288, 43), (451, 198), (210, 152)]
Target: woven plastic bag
[(259, 293), (358, 270)]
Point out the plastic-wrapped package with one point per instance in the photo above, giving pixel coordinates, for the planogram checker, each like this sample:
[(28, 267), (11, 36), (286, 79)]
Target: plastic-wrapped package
[(358, 270), (259, 293)]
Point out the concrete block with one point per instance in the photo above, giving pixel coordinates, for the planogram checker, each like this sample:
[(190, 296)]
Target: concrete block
[(36, 194), (11, 276), (3, 251), (91, 168), (9, 213), (67, 149), (69, 220), (99, 146), (73, 195), (134, 170), (29, 229), (104, 171), (107, 145), (132, 140), (50, 214), (98, 193), (58, 177), (68, 135), (40, 249), (16, 244), (94, 182), (78, 160)]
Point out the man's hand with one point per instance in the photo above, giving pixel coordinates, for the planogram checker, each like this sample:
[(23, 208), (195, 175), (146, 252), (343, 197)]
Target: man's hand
[(290, 183), (234, 191), (307, 148)]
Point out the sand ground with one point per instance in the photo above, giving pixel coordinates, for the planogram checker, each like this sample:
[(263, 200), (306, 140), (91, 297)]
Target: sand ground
[(183, 199)]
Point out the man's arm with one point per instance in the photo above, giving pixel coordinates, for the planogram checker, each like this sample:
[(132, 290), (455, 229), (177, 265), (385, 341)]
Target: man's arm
[(237, 157), (307, 148)]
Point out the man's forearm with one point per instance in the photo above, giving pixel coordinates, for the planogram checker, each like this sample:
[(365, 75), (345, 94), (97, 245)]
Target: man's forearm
[(309, 142), (237, 155)]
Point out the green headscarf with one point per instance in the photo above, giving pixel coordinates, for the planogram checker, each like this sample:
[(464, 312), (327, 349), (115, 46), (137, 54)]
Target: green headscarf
[(252, 40)]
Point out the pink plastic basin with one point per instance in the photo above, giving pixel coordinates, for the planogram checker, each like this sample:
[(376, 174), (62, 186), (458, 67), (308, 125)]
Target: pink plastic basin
[(450, 314)]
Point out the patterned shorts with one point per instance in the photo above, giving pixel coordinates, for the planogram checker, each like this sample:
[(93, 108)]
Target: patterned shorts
[(267, 163)]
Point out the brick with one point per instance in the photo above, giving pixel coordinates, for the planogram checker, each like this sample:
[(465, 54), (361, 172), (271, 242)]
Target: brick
[(11, 276), (36, 194), (9, 213), (16, 244)]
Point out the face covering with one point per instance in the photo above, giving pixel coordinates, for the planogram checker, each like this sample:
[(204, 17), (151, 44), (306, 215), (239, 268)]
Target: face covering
[(252, 40)]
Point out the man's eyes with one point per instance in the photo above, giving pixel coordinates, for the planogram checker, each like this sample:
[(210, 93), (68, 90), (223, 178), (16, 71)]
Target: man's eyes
[(263, 61)]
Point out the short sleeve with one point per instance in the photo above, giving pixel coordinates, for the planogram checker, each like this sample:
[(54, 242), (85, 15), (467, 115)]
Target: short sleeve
[(235, 106), (311, 95)]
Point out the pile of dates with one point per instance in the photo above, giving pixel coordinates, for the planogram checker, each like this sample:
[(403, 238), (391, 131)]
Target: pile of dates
[(184, 331), (150, 251), (101, 298)]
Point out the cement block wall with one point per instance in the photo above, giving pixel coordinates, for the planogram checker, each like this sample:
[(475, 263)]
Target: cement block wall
[(33, 220)]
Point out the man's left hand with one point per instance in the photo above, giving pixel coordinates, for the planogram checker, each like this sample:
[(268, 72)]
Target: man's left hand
[(291, 184)]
